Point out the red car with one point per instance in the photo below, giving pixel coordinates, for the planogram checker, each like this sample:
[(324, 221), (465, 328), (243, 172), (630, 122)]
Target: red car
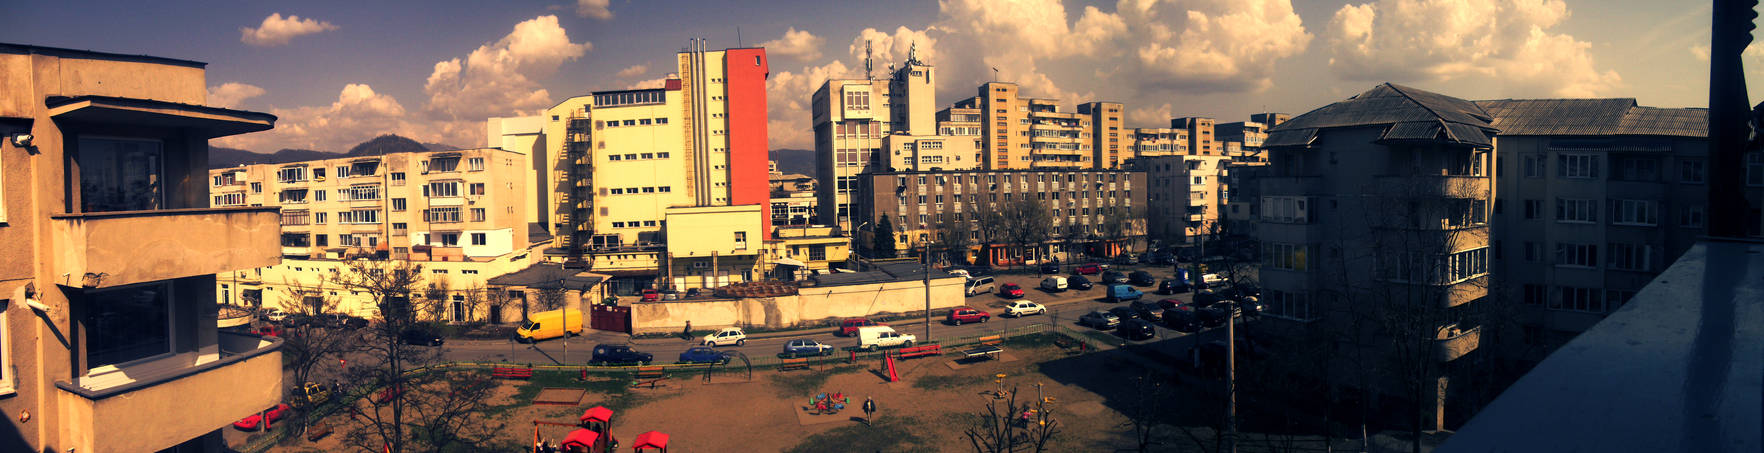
[(253, 422), (961, 315), (650, 295), (850, 327), (269, 331), (1010, 291), (1087, 269), (387, 394)]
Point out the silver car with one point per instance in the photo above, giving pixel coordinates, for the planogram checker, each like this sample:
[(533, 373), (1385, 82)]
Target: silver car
[(1099, 319)]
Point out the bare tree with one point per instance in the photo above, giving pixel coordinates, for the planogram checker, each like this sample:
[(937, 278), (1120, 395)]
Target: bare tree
[(550, 298), (306, 345), (476, 297), (1121, 224), (497, 301), (391, 286), (1004, 429), (990, 227), (1145, 411), (954, 237), (433, 305), (1027, 224)]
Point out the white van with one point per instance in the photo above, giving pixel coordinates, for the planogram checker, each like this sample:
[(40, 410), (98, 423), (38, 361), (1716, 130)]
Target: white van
[(1054, 284), (978, 285), (875, 337)]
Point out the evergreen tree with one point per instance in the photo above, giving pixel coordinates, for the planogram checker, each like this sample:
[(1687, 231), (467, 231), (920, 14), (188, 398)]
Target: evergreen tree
[(882, 243)]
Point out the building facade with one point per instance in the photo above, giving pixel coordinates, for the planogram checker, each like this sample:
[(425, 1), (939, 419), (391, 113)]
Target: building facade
[(851, 117), (109, 338), (1185, 198), (926, 207)]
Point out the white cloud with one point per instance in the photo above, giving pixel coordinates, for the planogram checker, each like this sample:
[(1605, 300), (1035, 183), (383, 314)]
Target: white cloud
[(633, 71), (1219, 46), (358, 114), (277, 30), (1701, 51), (1435, 41), (596, 9), (231, 94), (798, 44), (498, 79), (657, 82), (1149, 116), (787, 103)]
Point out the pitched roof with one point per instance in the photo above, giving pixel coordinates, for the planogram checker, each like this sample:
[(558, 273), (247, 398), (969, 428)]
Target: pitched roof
[(1409, 114), (1618, 116)]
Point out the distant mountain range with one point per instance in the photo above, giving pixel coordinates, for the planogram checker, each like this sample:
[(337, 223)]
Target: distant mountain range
[(799, 161), (219, 157)]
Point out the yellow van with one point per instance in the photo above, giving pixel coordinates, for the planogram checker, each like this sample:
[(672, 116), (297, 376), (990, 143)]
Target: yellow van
[(550, 324)]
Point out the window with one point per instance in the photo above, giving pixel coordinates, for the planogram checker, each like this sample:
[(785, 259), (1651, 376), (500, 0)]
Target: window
[(400, 227), (443, 164), (1568, 210), (1691, 217), (359, 216), (318, 218), (398, 204), (121, 175), (1577, 166), (1582, 255), (1533, 208), (1690, 171), (817, 253), (127, 324), (1285, 209), (1288, 305), (441, 189), (1626, 168), (442, 215), (1578, 299), (1633, 212), (1755, 169), (475, 164), (1630, 257), (477, 188), (740, 240), (1287, 256), (361, 193), (318, 174), (291, 175), (319, 194), (480, 239), (449, 239), (477, 214), (397, 178), (230, 199), (1534, 294), (291, 196)]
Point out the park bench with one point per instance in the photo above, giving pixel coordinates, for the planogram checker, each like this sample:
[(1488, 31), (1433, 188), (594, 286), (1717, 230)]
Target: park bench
[(793, 364), (987, 349), (650, 375), (511, 373), (920, 351)]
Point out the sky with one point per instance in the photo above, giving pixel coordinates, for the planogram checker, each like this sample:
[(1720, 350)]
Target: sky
[(339, 73)]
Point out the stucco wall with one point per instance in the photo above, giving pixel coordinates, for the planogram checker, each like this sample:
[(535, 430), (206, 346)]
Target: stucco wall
[(812, 305), (138, 420)]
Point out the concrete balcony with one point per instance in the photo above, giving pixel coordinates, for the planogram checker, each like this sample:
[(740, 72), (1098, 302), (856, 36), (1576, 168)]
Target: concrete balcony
[(1292, 185), (1454, 342), (109, 249), (156, 405), (1466, 292), (1433, 186)]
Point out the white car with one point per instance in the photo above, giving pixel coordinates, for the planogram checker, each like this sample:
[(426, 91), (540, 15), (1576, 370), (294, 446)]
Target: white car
[(727, 336), (1023, 308), (1212, 279)]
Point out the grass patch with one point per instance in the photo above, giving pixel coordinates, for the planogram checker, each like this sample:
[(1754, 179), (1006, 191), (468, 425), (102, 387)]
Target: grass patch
[(802, 384), (1102, 336), (616, 388), (1031, 340), (892, 434), (949, 381)]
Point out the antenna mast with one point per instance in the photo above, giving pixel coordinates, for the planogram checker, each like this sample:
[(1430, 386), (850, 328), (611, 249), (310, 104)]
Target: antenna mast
[(868, 69)]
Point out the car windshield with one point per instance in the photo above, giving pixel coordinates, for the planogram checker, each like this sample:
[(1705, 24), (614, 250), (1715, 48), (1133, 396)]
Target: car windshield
[(530, 326)]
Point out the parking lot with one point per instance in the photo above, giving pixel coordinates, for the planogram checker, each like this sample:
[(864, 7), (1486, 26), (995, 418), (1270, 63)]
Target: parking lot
[(1065, 307)]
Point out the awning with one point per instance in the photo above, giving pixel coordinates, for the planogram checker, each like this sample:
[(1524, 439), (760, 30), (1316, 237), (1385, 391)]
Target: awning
[(652, 439), (596, 414), (789, 262), (211, 122), (548, 276), (580, 437)]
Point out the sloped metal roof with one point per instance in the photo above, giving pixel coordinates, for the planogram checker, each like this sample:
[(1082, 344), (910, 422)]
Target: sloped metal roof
[(1408, 113), (1618, 116)]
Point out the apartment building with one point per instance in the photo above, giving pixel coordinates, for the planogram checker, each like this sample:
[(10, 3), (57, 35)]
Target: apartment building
[(902, 152), (108, 325), (1376, 210), (526, 135), (1111, 142), (804, 250), (1185, 196), (464, 206), (851, 117), (1599, 195), (1201, 140), (1154, 142), (1242, 140), (625, 160), (1079, 201)]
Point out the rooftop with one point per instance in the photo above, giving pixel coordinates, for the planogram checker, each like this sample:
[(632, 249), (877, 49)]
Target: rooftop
[(1619, 116), (62, 52), (1408, 113)]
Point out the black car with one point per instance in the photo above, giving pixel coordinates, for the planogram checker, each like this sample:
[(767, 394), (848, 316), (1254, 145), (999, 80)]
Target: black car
[(1078, 282), (1182, 318), (340, 321), (1137, 329), (1172, 286), (1113, 277), (1147, 310), (1141, 278), (617, 354), (1238, 292), (1125, 313), (1206, 297), (1213, 316), (420, 337), (1250, 306), (1050, 268)]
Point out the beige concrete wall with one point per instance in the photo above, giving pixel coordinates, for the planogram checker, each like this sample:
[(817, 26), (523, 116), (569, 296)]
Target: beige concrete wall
[(702, 231), (138, 421), (117, 250), (811, 306)]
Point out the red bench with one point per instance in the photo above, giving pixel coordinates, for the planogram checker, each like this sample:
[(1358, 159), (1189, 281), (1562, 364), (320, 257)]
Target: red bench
[(920, 351), (511, 373)]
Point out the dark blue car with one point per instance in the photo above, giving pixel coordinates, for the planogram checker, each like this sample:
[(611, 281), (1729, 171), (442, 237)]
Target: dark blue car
[(703, 355)]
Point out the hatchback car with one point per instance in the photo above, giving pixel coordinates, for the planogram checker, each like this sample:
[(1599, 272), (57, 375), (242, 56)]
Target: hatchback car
[(1213, 316), (275, 414), (1099, 319), (802, 347), (1010, 291), (727, 336), (1078, 283), (703, 354), (1137, 329), (1147, 310), (1023, 308), (421, 337), (618, 353), (1049, 268), (849, 327), (1112, 277), (1124, 312), (962, 315), (1087, 269), (1172, 286), (1141, 278), (650, 295)]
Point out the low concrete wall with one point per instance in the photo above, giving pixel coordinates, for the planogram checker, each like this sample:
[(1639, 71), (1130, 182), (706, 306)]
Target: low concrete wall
[(811, 306)]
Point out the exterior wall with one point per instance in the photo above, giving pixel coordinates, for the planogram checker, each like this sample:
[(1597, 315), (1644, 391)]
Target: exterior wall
[(914, 88), (840, 153), (792, 208), (811, 306), (526, 135), (1111, 141), (710, 247), (647, 158), (749, 183), (929, 153), (568, 181), (1153, 142), (273, 284), (817, 247), (1186, 195), (1001, 113), (1200, 135), (1085, 196)]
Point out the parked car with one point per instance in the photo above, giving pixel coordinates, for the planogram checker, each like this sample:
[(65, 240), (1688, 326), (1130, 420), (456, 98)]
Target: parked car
[(650, 295), (670, 294), (1087, 269), (1122, 293), (386, 395), (1113, 277), (1124, 312), (550, 324), (802, 347), (727, 336), (270, 330), (1148, 310), (704, 354), (1238, 292), (1213, 279), (1141, 278), (1099, 319), (978, 285), (1213, 316), (1137, 329), (1172, 286), (1053, 284), (1078, 282), (876, 337), (1160, 258), (1023, 308), (849, 327), (618, 354), (341, 321), (1206, 297), (1049, 268), (420, 337), (964, 314), (1010, 291), (1248, 307), (273, 315), (312, 394), (1126, 259), (1182, 318), (275, 414), (959, 272)]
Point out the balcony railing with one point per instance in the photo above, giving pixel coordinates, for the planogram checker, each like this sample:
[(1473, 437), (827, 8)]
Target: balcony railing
[(1453, 342), (156, 405), (109, 249)]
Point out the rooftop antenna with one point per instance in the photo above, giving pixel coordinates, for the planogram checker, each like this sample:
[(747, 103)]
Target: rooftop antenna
[(738, 41), (868, 68), (913, 54)]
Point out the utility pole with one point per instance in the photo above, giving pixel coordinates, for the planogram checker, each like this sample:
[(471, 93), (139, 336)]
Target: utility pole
[(1231, 380), (564, 292), (927, 266)]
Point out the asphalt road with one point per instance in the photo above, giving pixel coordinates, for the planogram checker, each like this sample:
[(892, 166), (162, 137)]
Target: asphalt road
[(1064, 308)]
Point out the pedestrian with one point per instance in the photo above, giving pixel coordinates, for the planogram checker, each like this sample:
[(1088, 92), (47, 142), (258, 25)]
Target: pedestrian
[(687, 333), (869, 410)]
